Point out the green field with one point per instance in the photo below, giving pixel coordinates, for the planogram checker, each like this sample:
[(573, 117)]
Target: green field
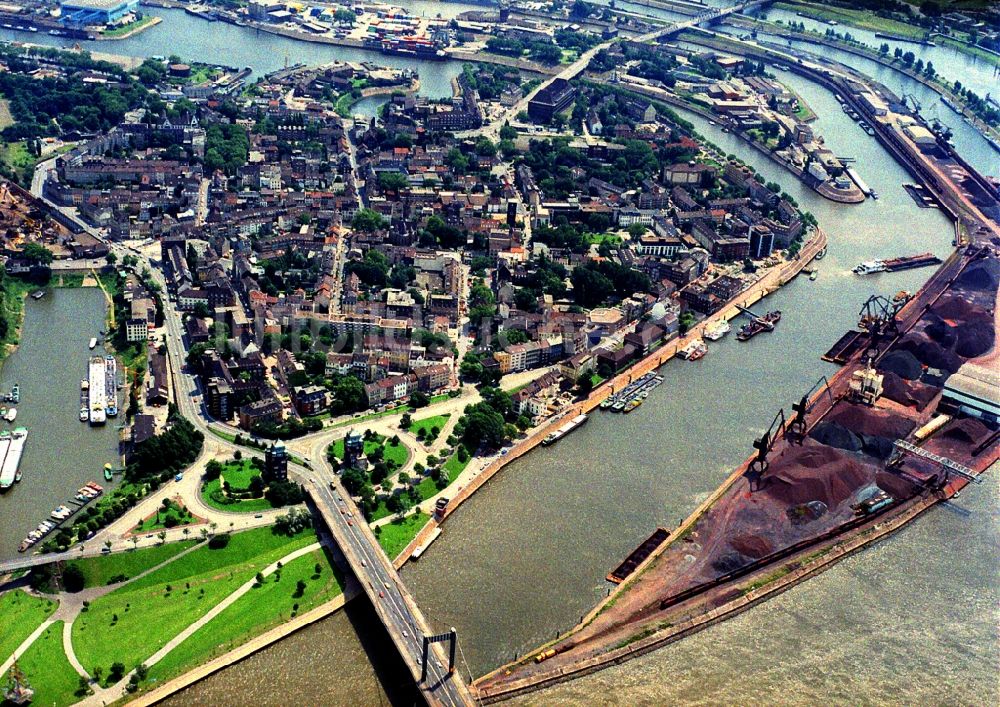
[(395, 536), (397, 454), (154, 609), (20, 614), (47, 670), (238, 474), (98, 571), (421, 429), (855, 18), (125, 29), (254, 613), (177, 514)]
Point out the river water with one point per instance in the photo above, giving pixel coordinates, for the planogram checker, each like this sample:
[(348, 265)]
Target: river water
[(509, 574), (62, 453), (969, 142)]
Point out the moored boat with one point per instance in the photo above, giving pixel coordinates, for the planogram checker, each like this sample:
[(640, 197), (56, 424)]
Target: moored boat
[(717, 330)]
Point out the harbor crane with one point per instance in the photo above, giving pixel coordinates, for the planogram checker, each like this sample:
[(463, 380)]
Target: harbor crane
[(797, 426), (764, 444), (878, 319)]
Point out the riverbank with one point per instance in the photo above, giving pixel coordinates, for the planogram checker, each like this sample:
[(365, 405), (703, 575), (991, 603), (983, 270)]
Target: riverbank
[(128, 31), (936, 84), (652, 608), (766, 285)]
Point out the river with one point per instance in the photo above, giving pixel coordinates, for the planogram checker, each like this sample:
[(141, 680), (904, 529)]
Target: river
[(195, 39), (978, 74), (510, 573), (969, 142), (61, 453)]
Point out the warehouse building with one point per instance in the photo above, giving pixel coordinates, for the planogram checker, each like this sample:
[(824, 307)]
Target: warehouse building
[(97, 12)]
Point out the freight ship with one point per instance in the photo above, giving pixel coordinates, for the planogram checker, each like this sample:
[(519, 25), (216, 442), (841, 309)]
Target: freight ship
[(895, 264), (406, 46), (98, 393), (564, 430), (8, 472), (759, 324), (111, 386)]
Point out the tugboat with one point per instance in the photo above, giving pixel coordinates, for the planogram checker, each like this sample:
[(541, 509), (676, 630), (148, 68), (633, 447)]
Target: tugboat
[(84, 414), (15, 394), (108, 473)]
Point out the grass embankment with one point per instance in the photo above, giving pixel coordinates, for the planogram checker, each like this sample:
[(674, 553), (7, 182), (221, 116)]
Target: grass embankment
[(344, 104), (395, 536), (100, 571), (130, 28), (423, 429), (135, 621), (428, 488), (20, 614), (856, 18), (13, 291), (48, 671), (277, 600), (238, 474)]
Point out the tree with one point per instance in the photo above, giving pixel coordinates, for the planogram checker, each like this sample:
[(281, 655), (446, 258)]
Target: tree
[(213, 470), (116, 672), (367, 221), (344, 16), (161, 536), (392, 181), (483, 425), (300, 588), (73, 578), (36, 254)]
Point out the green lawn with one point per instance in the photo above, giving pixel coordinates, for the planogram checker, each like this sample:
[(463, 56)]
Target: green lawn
[(177, 514), (20, 614), (855, 18), (261, 609), (344, 104), (395, 536), (125, 29), (425, 425), (243, 505), (48, 671), (454, 467), (238, 474), (154, 609), (98, 571)]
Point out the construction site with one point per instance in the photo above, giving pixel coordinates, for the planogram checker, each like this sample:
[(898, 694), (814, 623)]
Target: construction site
[(909, 421)]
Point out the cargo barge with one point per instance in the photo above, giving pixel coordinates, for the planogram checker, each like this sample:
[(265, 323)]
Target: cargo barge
[(896, 264), (13, 449), (564, 430), (758, 325), (630, 397), (111, 386), (97, 402)]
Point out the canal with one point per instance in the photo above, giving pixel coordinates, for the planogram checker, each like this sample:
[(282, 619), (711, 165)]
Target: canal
[(61, 453), (510, 573)]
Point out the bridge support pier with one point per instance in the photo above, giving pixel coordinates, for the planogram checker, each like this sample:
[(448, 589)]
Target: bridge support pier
[(452, 638)]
